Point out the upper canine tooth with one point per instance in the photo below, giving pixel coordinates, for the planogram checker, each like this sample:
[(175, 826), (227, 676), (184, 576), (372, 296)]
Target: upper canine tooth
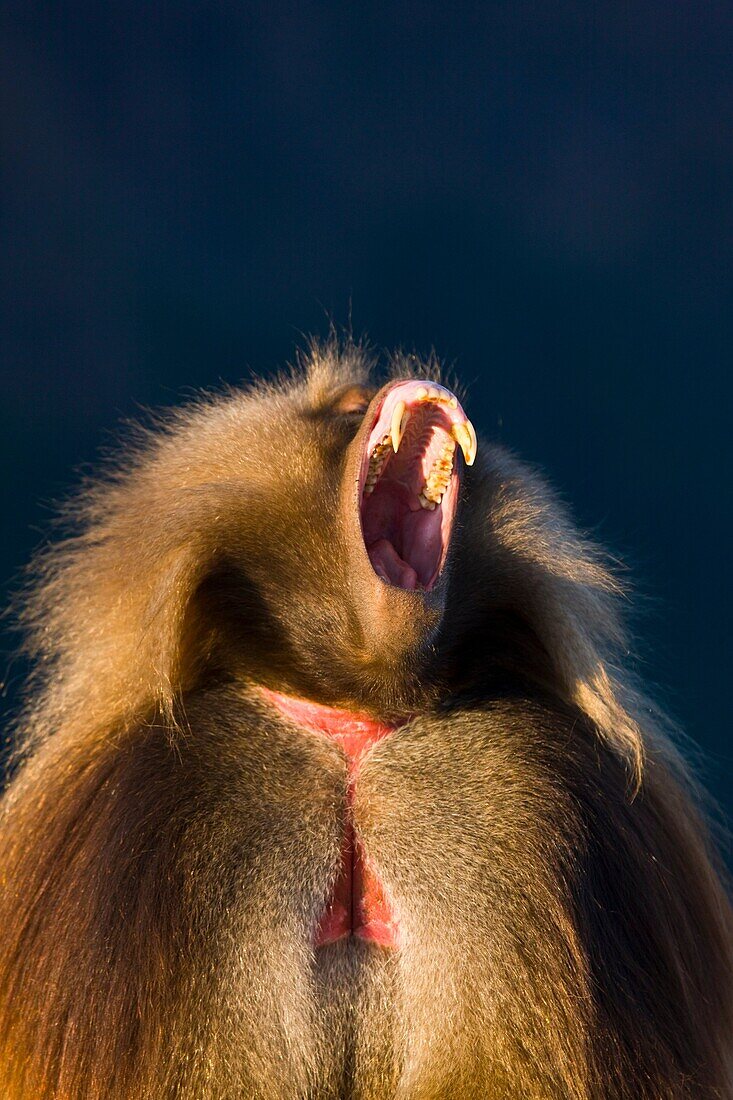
[(397, 426), (465, 436), (474, 442)]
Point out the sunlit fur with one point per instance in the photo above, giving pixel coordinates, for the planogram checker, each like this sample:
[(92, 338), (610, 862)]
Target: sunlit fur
[(167, 841)]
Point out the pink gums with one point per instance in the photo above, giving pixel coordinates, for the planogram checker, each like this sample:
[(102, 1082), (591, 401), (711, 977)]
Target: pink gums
[(358, 904)]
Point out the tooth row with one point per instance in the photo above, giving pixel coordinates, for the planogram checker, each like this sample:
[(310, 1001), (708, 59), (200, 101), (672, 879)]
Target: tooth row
[(376, 462), (433, 394), (438, 478)]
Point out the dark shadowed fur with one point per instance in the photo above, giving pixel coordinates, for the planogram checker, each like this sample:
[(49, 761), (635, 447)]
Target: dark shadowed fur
[(167, 841)]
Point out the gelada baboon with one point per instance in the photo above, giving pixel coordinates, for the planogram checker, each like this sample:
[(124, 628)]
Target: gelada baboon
[(330, 784)]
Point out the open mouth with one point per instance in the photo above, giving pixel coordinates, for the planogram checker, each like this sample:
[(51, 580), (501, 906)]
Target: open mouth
[(408, 486)]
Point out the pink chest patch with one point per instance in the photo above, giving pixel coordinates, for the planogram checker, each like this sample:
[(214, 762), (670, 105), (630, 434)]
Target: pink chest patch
[(358, 905)]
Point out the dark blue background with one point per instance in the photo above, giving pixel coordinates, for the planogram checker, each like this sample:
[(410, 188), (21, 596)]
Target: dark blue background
[(541, 191)]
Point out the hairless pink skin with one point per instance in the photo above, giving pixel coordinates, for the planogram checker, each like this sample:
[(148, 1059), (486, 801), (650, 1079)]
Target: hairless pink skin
[(358, 905)]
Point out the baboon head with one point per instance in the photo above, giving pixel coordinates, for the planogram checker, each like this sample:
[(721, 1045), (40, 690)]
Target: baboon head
[(335, 533)]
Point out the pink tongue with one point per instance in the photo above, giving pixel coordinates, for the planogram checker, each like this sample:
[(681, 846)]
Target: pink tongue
[(388, 565)]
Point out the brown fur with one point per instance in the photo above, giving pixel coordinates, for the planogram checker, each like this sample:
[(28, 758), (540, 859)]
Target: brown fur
[(167, 841)]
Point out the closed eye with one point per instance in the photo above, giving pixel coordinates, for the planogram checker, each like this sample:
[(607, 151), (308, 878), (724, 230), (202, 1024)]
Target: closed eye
[(353, 402)]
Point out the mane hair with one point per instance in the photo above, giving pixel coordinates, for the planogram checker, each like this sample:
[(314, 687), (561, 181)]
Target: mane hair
[(165, 839)]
